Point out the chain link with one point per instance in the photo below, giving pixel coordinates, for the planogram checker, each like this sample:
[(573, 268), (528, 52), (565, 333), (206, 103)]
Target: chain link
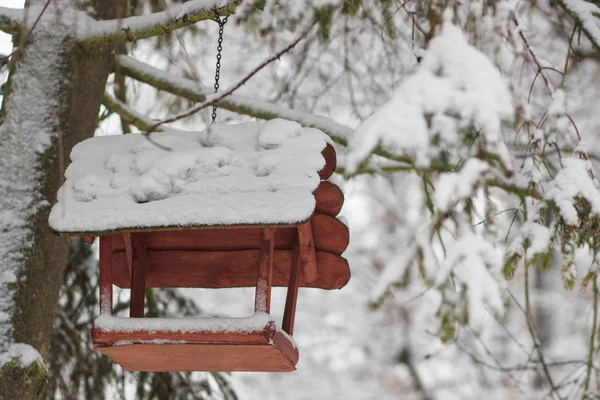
[(221, 23)]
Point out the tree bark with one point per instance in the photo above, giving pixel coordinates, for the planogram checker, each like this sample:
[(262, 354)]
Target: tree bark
[(72, 90)]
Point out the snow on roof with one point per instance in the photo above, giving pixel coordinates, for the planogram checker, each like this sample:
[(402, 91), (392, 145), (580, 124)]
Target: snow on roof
[(245, 174)]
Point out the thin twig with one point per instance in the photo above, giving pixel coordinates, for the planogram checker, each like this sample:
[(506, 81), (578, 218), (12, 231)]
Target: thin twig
[(411, 15), (574, 126), (588, 374), (498, 367), (39, 17), (535, 340), (242, 82), (547, 81)]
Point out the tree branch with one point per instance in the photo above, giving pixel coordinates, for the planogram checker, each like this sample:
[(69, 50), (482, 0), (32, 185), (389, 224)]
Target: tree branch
[(536, 342), (586, 16), (536, 60), (146, 26), (128, 114), (237, 103), (10, 20)]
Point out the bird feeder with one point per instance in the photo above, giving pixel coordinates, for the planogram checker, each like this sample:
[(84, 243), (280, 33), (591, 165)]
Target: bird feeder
[(233, 206)]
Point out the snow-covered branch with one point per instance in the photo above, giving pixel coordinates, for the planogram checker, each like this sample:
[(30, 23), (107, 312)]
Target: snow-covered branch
[(142, 27), (587, 16), (128, 114), (10, 20), (237, 103)]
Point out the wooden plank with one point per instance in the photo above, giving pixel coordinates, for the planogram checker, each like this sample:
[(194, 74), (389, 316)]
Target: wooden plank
[(137, 229), (282, 271), (216, 239), (262, 336), (329, 235), (286, 347), (128, 251), (138, 279), (330, 162), (289, 314), (203, 357), (329, 198), (266, 349), (262, 300), (89, 239), (222, 269), (306, 252), (105, 278)]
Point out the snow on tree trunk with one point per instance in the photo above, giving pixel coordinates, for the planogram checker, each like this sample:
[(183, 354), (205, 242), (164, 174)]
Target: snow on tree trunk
[(52, 100)]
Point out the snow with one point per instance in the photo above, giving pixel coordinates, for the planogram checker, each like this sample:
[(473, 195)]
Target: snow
[(477, 263), (587, 13), (452, 187), (442, 117), (84, 27), (153, 341), (256, 322), (272, 12), (23, 353), (105, 300), (251, 173), (261, 296), (573, 182), (12, 13), (393, 273), (532, 239), (450, 91)]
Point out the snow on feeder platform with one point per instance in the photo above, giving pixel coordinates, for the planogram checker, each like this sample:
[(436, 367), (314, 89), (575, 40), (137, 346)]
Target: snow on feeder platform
[(232, 206)]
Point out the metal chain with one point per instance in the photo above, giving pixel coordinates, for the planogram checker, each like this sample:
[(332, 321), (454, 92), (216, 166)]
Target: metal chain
[(413, 15), (221, 23)]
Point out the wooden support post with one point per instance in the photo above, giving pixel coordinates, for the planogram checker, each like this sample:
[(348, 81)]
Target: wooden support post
[(128, 251), (262, 300), (289, 314), (138, 279), (106, 300), (306, 252)]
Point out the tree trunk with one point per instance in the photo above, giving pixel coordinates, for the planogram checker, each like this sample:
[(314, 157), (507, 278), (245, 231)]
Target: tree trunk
[(52, 101)]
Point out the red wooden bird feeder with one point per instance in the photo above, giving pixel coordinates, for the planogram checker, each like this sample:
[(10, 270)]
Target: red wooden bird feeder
[(234, 206)]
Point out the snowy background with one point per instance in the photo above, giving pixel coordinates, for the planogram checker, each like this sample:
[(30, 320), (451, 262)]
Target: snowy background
[(350, 349)]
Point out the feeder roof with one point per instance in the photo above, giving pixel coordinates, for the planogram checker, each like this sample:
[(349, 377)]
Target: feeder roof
[(245, 174)]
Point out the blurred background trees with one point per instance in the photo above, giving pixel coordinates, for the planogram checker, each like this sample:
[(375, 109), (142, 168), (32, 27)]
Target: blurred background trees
[(471, 195)]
